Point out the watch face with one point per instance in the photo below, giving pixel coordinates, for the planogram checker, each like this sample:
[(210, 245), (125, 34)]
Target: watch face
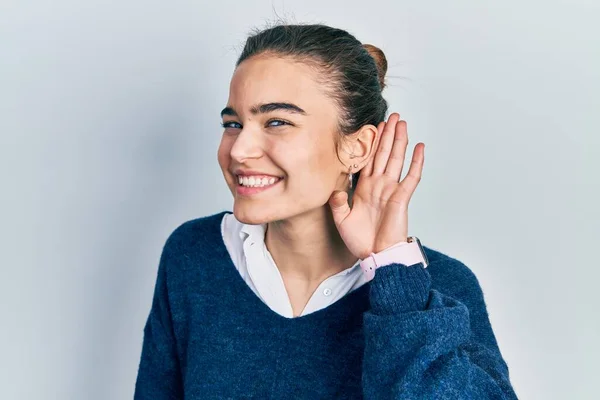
[(416, 239)]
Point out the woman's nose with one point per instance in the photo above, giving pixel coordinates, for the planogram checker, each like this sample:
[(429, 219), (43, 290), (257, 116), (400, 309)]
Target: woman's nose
[(247, 145)]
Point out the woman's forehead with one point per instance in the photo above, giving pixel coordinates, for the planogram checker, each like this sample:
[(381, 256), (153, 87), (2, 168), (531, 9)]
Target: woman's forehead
[(265, 80)]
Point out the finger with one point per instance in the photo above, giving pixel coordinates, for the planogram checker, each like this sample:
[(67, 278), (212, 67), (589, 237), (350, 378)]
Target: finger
[(385, 145), (413, 177), (339, 206), (368, 169), (395, 163)]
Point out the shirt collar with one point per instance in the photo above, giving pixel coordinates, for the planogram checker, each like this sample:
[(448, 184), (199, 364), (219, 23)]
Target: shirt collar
[(256, 233), (253, 232)]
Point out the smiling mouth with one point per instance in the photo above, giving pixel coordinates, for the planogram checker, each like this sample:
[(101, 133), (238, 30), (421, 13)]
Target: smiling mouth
[(257, 181)]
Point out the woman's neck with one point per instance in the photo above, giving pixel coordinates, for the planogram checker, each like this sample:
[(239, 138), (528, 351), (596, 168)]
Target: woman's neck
[(308, 248)]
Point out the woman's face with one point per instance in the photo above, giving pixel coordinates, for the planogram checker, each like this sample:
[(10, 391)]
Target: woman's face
[(280, 135)]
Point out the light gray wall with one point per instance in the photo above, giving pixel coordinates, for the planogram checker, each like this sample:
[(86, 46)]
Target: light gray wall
[(109, 127)]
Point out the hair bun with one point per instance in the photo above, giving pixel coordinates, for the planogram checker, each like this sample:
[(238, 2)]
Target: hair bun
[(380, 61)]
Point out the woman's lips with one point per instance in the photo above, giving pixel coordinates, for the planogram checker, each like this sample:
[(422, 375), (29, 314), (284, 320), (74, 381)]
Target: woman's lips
[(250, 190)]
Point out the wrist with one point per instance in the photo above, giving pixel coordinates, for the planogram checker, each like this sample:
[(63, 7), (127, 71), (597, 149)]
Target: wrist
[(406, 253), (379, 249)]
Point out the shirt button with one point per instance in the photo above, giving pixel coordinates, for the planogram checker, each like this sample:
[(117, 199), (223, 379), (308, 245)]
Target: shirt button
[(327, 291)]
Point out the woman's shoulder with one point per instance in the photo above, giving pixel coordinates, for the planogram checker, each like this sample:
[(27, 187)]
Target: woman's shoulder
[(203, 232)]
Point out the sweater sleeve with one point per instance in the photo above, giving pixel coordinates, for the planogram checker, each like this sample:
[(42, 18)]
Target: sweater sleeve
[(424, 344), (158, 375)]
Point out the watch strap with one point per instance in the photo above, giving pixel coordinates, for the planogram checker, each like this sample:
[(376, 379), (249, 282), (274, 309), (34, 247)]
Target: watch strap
[(407, 253)]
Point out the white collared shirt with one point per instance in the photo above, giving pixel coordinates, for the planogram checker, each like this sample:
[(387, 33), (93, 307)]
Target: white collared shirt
[(246, 246)]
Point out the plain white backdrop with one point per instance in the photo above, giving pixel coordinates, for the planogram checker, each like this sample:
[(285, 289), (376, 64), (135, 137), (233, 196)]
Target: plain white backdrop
[(109, 126)]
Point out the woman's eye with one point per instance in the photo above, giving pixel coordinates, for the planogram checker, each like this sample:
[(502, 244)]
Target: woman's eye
[(230, 124), (278, 121)]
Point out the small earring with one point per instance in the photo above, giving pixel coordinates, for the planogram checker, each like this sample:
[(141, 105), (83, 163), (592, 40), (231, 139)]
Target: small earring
[(350, 178), (350, 175)]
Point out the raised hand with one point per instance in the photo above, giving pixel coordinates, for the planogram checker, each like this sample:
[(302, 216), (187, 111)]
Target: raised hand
[(378, 218)]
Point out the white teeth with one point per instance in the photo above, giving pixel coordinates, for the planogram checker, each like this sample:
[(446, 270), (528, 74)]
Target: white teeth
[(252, 181)]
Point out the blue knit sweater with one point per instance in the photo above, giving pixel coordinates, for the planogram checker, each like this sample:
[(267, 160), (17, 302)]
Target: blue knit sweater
[(410, 333)]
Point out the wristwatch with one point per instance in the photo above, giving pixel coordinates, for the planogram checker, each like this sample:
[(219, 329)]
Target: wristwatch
[(408, 253)]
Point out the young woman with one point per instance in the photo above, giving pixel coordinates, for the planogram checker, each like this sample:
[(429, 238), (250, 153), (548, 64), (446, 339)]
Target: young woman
[(312, 288)]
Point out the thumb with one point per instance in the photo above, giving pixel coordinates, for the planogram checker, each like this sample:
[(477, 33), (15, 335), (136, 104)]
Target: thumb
[(339, 206)]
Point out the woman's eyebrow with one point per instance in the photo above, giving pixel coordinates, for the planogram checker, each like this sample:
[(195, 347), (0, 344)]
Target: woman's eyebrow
[(266, 108)]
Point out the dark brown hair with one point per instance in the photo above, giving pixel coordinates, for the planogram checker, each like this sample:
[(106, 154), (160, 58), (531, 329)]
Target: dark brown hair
[(353, 74)]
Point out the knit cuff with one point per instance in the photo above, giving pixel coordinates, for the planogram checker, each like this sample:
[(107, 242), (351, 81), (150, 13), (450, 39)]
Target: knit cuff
[(397, 288)]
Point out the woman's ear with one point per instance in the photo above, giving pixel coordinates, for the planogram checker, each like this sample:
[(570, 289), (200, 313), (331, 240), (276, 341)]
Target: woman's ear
[(358, 147)]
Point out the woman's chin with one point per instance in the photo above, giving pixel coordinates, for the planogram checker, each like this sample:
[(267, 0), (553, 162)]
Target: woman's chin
[(251, 214)]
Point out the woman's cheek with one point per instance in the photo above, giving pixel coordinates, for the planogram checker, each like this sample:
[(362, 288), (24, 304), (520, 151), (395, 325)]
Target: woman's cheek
[(223, 152)]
